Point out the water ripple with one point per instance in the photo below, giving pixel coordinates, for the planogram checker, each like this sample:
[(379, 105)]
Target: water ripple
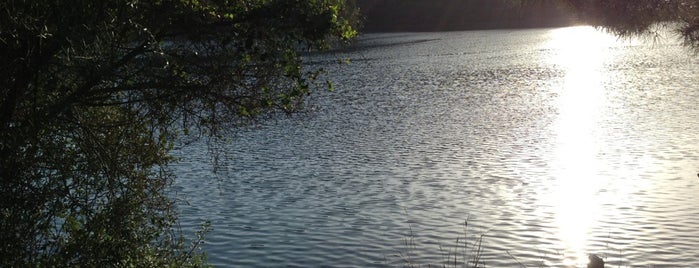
[(425, 131)]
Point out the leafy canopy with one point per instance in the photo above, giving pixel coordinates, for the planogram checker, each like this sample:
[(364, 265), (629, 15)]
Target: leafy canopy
[(94, 92)]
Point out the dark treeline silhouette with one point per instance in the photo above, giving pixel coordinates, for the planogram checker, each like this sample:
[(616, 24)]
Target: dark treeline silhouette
[(450, 15)]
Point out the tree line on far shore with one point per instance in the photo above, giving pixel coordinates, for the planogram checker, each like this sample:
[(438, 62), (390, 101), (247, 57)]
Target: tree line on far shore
[(450, 15)]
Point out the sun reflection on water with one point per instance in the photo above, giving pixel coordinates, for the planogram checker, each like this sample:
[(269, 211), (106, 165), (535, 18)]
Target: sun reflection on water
[(581, 53)]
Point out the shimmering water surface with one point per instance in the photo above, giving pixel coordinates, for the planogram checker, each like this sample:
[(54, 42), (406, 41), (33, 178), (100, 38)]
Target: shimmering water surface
[(553, 143)]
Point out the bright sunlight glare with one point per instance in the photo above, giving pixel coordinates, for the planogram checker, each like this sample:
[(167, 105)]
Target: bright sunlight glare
[(581, 53)]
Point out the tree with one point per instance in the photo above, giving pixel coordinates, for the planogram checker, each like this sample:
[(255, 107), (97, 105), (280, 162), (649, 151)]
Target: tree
[(442, 15), (639, 16), (93, 93)]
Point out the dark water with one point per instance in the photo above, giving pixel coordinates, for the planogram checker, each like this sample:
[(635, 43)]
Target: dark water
[(553, 143)]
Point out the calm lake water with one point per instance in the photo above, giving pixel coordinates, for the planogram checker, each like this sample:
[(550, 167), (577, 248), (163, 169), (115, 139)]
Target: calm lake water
[(552, 143)]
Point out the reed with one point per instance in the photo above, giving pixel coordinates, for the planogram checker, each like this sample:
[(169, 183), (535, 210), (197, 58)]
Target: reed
[(460, 255), (464, 254)]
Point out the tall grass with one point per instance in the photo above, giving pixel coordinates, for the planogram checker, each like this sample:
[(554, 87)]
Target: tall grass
[(464, 254), (460, 255)]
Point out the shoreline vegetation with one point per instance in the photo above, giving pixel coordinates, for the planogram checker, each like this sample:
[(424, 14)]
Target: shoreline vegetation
[(95, 94)]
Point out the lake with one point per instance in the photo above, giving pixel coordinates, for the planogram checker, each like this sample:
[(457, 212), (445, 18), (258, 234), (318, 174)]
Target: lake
[(551, 143)]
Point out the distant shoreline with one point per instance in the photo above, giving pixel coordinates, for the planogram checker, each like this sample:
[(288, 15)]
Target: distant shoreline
[(572, 24), (385, 16)]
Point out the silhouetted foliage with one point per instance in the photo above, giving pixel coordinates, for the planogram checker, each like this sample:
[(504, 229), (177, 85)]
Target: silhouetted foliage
[(639, 16), (94, 92)]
